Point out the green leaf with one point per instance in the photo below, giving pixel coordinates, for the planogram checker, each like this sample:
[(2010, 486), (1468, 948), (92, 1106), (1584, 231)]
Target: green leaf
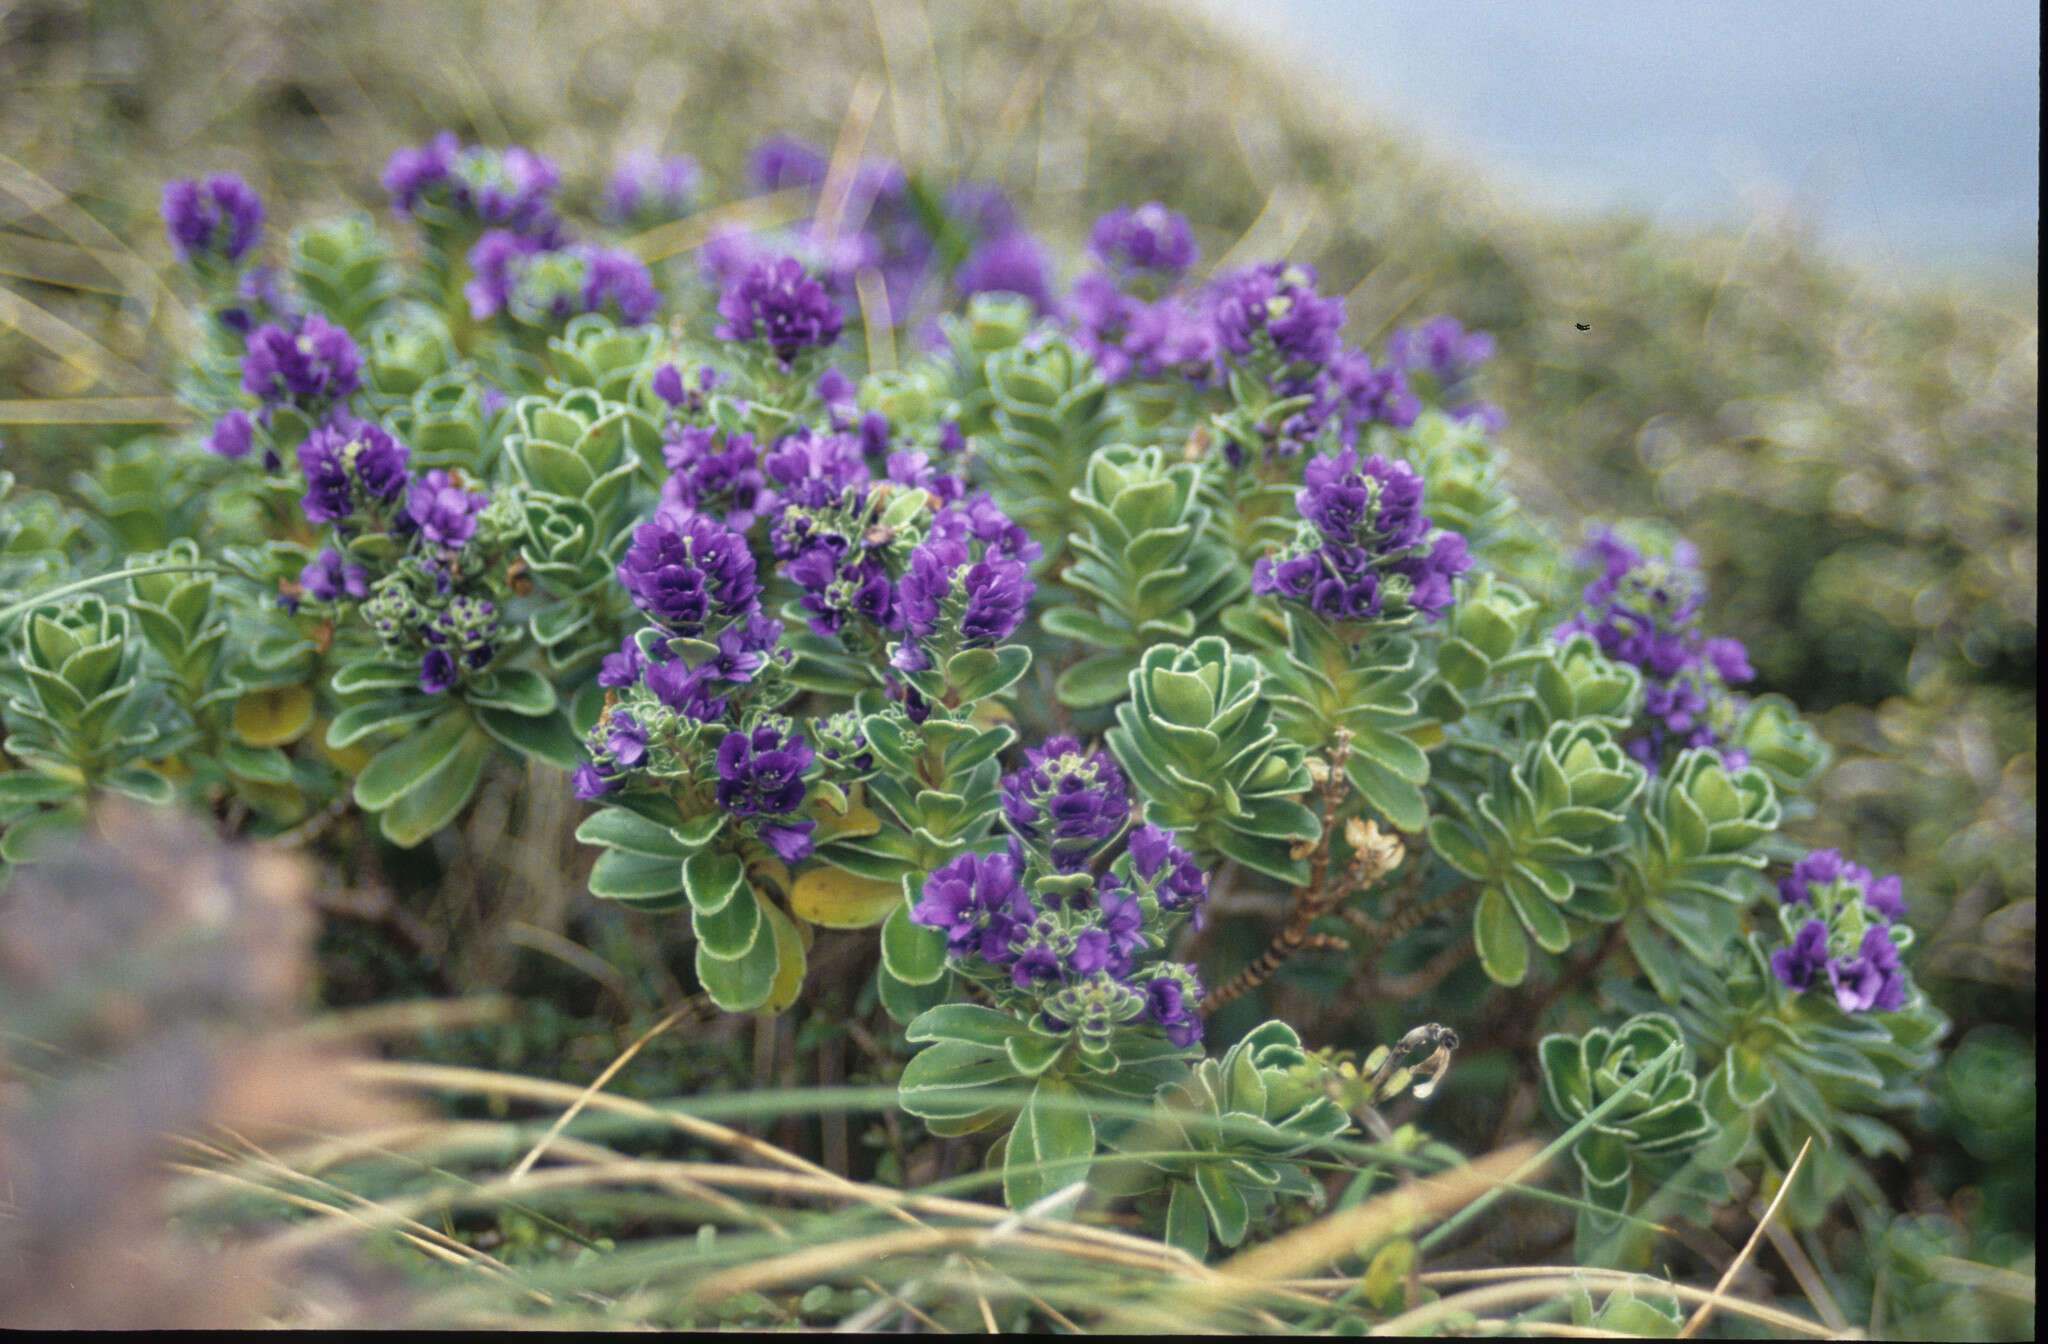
[(617, 828), (1227, 1211), (1051, 1146), (516, 690), (1498, 935), (1655, 957), (265, 766), (968, 1022), (741, 984), (620, 875), (40, 834), (1386, 1278), (713, 877), (914, 953), (547, 738), (1031, 1054), (1187, 1220), (406, 763), (1456, 846), (26, 786), (905, 1001), (954, 1080), (1100, 680), (433, 802), (357, 722), (141, 783), (730, 930)]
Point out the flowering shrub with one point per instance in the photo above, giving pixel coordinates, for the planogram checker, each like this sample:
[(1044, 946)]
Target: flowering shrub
[(1020, 652)]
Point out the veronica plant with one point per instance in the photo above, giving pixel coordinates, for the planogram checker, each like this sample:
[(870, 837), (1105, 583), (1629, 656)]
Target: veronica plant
[(1105, 601)]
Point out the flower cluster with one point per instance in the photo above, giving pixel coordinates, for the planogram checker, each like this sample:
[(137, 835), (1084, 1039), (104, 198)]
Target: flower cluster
[(417, 610), (689, 572), (648, 189), (1846, 925), (1147, 238), (219, 218), (1365, 550), (1071, 801), (313, 365), (444, 183), (1082, 952), (350, 467), (1128, 312), (761, 774), (512, 273), (778, 303), (1449, 356), (1644, 610)]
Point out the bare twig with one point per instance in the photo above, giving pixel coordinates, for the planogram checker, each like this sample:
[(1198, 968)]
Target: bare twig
[(1706, 1308)]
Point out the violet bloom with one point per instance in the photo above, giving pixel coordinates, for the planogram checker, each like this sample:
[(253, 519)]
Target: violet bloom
[(761, 774), (348, 466), (1365, 526), (442, 511), (1178, 881), (668, 385), (1149, 237), (495, 262), (412, 172), (1871, 978), (690, 572), (979, 901), (1173, 998), (220, 217), (311, 366), (621, 280), (1797, 965), (327, 578), (1011, 263), (1069, 800), (778, 303), (233, 435), (1280, 301), (783, 161), (437, 671), (649, 189), (688, 690)]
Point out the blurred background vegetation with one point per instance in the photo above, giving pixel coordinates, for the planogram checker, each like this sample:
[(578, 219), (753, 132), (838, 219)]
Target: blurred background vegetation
[(1855, 453)]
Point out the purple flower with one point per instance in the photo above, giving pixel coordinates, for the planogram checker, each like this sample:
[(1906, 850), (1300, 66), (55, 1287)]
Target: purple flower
[(1280, 301), (1069, 800), (668, 385), (233, 435), (411, 173), (219, 217), (651, 189), (625, 740), (783, 161), (495, 262), (1872, 978), (1365, 527), (437, 671), (778, 303), (1147, 238), (621, 280), (687, 689), (1442, 348), (590, 783), (327, 578), (1799, 963), (762, 772), (1011, 263), (690, 572), (979, 901), (1178, 882), (311, 366), (996, 589), (1365, 395), (349, 465), (622, 669), (442, 511), (1173, 998)]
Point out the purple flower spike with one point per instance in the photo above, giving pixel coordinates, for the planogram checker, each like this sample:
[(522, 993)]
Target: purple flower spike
[(1147, 238), (442, 511), (650, 189), (762, 773), (1069, 800), (233, 435), (348, 467), (311, 366), (1010, 263), (1797, 965), (979, 901), (1872, 978), (690, 572), (327, 578), (778, 303), (437, 671), (220, 217)]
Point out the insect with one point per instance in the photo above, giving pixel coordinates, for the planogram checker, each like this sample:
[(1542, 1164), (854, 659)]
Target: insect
[(1583, 326)]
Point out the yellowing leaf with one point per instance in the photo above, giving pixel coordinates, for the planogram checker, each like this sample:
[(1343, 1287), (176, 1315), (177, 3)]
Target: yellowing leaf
[(274, 718), (842, 900), (857, 821), (789, 961)]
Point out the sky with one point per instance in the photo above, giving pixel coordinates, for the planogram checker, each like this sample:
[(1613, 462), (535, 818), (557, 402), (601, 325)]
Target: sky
[(1908, 131)]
